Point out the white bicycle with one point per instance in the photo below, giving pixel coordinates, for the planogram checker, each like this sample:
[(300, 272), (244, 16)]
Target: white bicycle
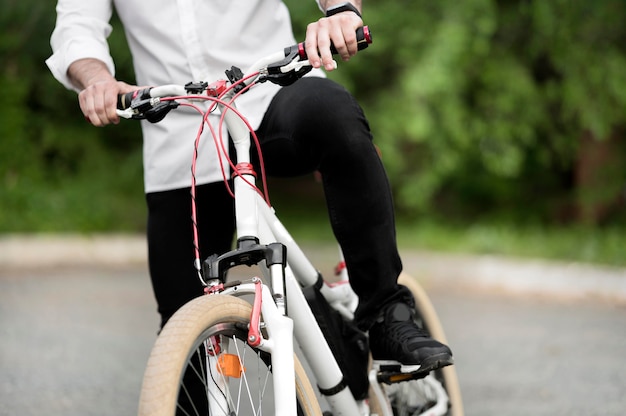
[(232, 351)]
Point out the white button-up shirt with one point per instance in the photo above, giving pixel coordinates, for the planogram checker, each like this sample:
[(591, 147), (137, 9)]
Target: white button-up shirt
[(174, 42)]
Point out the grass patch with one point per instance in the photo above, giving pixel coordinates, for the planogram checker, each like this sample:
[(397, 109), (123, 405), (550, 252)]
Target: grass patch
[(601, 245), (95, 205), (108, 199), (605, 246)]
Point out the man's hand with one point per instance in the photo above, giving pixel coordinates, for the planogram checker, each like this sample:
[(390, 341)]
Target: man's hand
[(99, 91), (340, 29)]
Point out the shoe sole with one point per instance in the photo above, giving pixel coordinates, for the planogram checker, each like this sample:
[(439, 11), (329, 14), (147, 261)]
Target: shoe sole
[(436, 362)]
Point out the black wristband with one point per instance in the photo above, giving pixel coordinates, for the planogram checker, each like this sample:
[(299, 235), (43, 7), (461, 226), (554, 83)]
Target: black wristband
[(342, 7)]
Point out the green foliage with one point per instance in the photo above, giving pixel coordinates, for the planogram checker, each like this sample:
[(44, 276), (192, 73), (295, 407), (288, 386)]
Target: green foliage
[(57, 172), (479, 107), (488, 100)]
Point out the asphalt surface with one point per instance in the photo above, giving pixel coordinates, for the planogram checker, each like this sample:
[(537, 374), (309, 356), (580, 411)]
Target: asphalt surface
[(75, 337)]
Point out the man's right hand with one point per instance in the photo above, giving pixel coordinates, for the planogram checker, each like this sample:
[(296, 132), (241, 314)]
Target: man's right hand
[(99, 91)]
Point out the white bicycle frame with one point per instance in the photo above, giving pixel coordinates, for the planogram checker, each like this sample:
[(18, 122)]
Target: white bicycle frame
[(254, 218)]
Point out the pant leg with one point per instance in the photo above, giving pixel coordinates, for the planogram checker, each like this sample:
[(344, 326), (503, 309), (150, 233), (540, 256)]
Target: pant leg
[(315, 124), (170, 241)]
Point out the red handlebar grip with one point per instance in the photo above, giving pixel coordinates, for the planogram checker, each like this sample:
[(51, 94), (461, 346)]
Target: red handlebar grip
[(363, 39)]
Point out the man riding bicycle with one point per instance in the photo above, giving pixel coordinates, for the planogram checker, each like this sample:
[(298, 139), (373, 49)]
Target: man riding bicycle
[(314, 124)]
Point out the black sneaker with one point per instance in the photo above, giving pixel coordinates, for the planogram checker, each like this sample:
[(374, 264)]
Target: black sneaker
[(395, 338)]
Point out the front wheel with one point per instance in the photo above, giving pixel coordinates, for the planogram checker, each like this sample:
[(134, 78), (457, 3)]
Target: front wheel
[(201, 364), (437, 394)]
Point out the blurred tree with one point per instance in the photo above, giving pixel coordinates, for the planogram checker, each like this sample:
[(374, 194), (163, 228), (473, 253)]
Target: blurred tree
[(480, 106), (56, 170), (496, 108)]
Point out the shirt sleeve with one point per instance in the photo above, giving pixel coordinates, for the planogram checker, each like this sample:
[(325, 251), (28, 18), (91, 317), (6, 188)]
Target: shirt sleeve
[(81, 31)]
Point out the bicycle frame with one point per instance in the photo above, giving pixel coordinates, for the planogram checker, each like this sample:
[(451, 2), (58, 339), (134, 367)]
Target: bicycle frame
[(254, 218)]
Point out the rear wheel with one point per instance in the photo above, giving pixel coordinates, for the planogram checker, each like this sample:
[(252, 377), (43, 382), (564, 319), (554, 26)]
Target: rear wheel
[(201, 364), (439, 392)]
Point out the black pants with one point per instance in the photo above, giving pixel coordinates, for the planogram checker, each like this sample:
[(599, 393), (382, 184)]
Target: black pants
[(314, 124)]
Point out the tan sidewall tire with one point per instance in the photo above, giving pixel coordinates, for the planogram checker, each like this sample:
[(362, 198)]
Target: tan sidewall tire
[(165, 365), (376, 407), (426, 309)]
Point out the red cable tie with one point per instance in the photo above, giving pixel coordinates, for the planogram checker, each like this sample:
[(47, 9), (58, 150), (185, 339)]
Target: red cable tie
[(244, 169), (340, 267)]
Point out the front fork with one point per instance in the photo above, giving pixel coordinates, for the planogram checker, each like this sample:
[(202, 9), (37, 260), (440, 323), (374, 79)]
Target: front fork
[(278, 342), (271, 304)]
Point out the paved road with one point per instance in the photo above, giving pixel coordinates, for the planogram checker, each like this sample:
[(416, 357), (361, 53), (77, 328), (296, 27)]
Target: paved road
[(533, 356), (74, 341)]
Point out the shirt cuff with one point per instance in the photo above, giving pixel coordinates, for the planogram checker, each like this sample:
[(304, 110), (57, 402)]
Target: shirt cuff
[(73, 50)]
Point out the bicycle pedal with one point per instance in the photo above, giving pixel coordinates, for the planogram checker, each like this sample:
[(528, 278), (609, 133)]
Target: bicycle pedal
[(390, 373)]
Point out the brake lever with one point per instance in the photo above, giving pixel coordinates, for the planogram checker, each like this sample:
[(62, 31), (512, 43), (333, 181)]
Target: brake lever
[(298, 65), (159, 111), (154, 114), (127, 114), (292, 54), (286, 71)]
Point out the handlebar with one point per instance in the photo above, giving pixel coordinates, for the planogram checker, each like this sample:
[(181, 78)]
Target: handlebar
[(282, 68), (282, 73), (363, 40)]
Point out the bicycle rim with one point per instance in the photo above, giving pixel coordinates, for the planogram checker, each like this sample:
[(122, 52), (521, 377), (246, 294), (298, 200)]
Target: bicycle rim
[(438, 393), (201, 364)]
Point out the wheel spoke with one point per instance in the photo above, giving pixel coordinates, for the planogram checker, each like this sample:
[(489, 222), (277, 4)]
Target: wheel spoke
[(206, 343)]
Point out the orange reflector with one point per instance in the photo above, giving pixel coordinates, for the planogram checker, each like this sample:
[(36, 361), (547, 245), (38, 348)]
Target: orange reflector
[(229, 365)]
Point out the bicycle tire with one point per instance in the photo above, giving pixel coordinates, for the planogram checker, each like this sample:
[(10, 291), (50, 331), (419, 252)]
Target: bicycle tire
[(447, 376), (184, 335)]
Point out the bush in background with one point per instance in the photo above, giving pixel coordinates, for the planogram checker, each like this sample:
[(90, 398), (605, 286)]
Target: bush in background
[(483, 109)]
